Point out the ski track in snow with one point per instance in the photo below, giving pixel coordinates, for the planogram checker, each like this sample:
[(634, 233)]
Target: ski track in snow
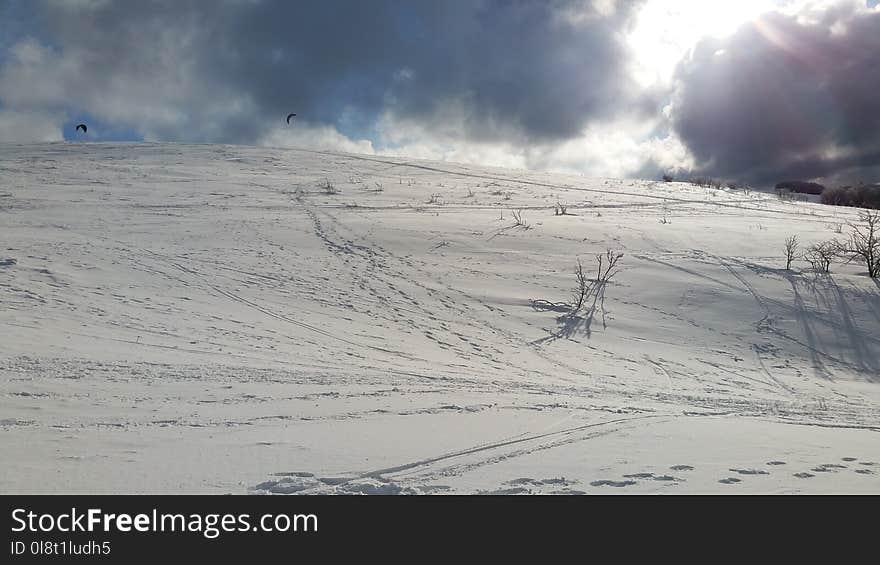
[(207, 319)]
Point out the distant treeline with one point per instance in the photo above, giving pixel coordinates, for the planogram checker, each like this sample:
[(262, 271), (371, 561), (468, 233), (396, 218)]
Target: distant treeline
[(801, 187), (861, 196)]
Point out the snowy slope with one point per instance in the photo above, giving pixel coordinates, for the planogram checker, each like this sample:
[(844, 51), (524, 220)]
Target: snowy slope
[(201, 318)]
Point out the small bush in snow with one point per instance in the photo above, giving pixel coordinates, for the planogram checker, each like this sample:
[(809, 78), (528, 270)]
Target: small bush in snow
[(519, 221), (864, 242), (328, 187), (791, 245), (821, 255), (606, 268)]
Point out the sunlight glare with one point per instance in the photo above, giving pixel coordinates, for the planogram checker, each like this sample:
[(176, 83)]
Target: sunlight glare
[(666, 29)]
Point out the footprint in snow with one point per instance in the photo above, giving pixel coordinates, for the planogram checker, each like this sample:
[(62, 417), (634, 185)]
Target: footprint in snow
[(730, 481), (508, 491), (804, 475), (776, 462), (864, 471), (667, 478), (608, 483), (828, 468), (287, 485), (682, 468), (430, 489), (561, 481), (332, 481), (558, 481), (849, 459), (750, 471)]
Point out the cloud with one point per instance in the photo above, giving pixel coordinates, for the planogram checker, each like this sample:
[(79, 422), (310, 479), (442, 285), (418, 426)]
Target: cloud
[(786, 96), (544, 85), (24, 127), (488, 71)]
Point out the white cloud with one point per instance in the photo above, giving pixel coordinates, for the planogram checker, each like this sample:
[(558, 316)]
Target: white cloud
[(320, 137), (555, 101), (24, 127)]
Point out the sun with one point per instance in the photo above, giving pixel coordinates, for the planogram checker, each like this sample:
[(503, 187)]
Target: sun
[(666, 29)]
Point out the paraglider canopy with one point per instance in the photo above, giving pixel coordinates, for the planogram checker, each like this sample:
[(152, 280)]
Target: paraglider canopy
[(83, 126), (290, 116)]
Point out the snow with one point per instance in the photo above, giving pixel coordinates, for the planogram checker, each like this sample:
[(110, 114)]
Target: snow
[(207, 319)]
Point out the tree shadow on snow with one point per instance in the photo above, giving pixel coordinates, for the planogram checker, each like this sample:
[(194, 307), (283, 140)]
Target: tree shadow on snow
[(832, 312), (575, 321), (861, 349)]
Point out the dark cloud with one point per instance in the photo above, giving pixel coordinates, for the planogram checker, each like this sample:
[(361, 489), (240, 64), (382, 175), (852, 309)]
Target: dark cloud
[(229, 70), (785, 97)]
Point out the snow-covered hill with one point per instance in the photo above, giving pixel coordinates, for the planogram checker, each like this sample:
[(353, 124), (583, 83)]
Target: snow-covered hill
[(201, 318)]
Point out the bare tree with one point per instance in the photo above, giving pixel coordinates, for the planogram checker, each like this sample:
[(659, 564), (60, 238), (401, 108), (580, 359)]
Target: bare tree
[(791, 245), (864, 242), (821, 255), (583, 288)]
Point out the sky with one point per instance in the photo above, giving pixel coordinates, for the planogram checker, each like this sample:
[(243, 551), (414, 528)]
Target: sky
[(754, 91)]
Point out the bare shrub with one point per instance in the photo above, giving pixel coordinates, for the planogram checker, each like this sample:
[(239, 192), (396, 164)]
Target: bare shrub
[(784, 195), (607, 265), (821, 255), (791, 245), (561, 209), (328, 187), (665, 219), (706, 182), (519, 221), (582, 288), (435, 199), (864, 242), (667, 177), (606, 268)]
